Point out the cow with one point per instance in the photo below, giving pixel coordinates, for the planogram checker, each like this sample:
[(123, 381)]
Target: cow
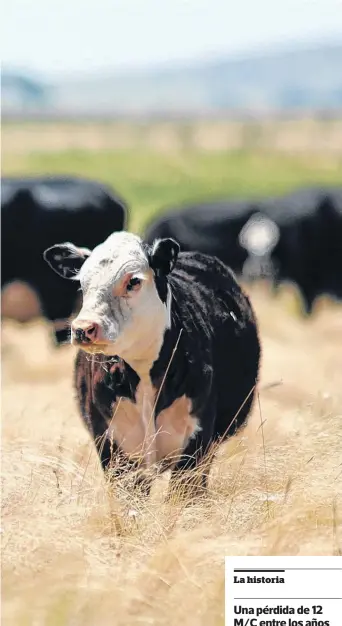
[(291, 238), (210, 227), (308, 251), (169, 354), (37, 210)]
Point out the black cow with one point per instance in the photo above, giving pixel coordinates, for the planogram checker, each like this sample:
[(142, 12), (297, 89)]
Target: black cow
[(293, 238), (308, 251), (188, 347), (37, 211)]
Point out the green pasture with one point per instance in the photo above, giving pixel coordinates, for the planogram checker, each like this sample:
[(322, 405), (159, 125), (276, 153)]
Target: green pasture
[(151, 181)]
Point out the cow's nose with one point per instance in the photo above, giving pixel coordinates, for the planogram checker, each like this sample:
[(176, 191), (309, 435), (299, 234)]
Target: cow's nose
[(85, 332)]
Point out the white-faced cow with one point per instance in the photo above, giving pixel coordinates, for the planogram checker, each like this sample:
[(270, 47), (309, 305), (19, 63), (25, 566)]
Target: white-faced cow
[(187, 341)]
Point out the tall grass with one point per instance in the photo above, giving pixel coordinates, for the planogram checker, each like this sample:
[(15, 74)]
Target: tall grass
[(70, 552)]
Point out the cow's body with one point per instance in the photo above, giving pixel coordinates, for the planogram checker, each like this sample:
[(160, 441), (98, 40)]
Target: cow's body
[(211, 228), (201, 385), (36, 211), (306, 249), (309, 251)]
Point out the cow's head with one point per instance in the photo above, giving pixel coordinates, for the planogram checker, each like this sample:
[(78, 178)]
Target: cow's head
[(126, 295)]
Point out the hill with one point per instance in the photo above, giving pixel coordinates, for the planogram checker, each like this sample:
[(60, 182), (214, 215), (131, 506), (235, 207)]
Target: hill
[(293, 79)]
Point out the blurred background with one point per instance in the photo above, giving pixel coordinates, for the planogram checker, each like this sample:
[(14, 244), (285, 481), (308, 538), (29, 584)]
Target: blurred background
[(174, 102), (117, 114)]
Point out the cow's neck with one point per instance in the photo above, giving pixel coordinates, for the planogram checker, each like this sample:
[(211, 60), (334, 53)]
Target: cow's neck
[(142, 360), (151, 358), (171, 361)]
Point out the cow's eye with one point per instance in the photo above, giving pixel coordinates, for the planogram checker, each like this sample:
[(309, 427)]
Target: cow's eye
[(133, 284)]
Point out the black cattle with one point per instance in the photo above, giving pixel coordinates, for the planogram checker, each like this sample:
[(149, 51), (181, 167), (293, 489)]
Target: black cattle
[(187, 340), (309, 251), (293, 238), (37, 211), (211, 227)]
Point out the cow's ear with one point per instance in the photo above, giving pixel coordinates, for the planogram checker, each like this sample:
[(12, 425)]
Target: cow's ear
[(66, 259), (163, 255)]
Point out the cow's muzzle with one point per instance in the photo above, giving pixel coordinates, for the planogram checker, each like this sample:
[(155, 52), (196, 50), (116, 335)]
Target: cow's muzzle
[(85, 332)]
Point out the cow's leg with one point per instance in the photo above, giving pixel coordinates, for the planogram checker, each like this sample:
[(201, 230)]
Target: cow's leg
[(98, 394), (97, 427), (307, 297), (116, 465), (189, 477), (128, 472)]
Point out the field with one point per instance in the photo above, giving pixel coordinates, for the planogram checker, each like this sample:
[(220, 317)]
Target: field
[(70, 554), (161, 165)]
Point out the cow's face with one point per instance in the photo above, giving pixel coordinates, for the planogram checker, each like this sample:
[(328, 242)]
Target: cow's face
[(126, 297)]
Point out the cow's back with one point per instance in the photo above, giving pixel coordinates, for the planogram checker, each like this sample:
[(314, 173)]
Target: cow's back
[(218, 318)]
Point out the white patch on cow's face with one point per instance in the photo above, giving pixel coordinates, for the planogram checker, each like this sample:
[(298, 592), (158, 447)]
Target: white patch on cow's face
[(132, 323)]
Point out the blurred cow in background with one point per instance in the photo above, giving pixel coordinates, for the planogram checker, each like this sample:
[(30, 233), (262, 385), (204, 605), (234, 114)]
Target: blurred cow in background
[(36, 212), (309, 250), (295, 238)]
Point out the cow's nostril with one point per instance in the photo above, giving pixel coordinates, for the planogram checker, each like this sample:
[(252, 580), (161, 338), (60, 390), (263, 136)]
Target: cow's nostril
[(91, 332), (80, 334), (85, 333)]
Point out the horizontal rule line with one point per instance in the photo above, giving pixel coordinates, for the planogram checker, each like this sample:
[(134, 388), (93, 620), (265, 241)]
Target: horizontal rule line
[(260, 570), (294, 569), (287, 598)]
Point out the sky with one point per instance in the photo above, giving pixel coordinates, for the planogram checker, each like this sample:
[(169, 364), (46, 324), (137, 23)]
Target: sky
[(52, 37)]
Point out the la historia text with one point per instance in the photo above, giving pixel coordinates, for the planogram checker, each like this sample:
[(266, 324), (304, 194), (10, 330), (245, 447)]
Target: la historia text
[(258, 579)]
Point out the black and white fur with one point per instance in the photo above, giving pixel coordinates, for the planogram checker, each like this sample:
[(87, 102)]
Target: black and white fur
[(175, 403)]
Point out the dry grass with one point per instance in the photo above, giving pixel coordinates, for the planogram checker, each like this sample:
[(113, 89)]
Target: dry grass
[(63, 563), (303, 135)]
